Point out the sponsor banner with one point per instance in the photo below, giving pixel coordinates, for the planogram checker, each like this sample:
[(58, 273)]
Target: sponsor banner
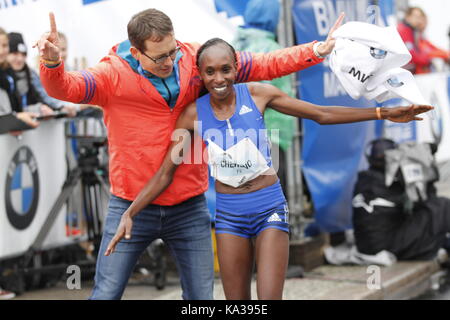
[(32, 173)]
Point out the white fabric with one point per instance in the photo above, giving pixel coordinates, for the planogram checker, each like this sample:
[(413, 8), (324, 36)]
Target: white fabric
[(238, 164), (367, 59), (345, 254), (383, 38), (395, 83), (353, 64)]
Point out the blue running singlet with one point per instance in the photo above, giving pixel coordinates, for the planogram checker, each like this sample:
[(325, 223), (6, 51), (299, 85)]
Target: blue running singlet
[(239, 151)]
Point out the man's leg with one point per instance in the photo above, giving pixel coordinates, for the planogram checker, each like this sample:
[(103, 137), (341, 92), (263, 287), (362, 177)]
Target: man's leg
[(113, 272), (187, 232)]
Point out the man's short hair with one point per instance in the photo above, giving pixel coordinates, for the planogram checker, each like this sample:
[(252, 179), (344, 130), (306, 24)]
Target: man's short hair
[(148, 24)]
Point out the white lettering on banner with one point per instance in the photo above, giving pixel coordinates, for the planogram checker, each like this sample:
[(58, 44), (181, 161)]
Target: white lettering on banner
[(326, 13), (322, 22), (331, 86), (374, 15)]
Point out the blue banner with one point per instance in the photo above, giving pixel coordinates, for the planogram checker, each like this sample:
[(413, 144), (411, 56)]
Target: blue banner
[(85, 2), (332, 155), (231, 7)]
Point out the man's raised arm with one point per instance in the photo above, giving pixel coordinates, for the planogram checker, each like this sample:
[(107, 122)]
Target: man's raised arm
[(85, 87)]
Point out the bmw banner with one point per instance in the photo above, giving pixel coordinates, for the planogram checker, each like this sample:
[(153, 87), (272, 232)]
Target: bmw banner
[(32, 172)]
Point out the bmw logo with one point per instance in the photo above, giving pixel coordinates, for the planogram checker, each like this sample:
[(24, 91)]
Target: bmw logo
[(378, 53), (22, 189), (395, 82)]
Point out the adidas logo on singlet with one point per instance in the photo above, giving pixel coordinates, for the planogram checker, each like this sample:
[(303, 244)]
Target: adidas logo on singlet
[(274, 218), (244, 110)]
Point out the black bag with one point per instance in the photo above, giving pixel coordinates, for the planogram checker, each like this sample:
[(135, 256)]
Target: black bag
[(384, 219)]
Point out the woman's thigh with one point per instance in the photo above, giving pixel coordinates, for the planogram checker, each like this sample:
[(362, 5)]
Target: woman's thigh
[(272, 255), (235, 255)]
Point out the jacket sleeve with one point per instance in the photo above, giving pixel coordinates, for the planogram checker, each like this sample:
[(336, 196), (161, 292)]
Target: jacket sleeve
[(275, 64), (90, 86), (51, 102)]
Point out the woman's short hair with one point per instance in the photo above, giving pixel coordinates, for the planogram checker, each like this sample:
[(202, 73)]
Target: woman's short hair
[(213, 42)]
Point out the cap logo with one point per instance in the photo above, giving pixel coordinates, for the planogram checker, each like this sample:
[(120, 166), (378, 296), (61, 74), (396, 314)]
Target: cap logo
[(378, 53), (22, 48), (394, 82)]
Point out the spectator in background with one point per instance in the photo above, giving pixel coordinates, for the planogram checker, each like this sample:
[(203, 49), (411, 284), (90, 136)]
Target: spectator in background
[(258, 35), (9, 104), (427, 47), (27, 93), (29, 86), (423, 51), (9, 101)]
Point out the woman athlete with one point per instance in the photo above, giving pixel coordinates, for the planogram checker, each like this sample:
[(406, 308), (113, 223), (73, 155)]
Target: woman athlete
[(250, 203)]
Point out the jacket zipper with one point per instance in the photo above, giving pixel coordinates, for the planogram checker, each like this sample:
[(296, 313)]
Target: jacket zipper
[(170, 95)]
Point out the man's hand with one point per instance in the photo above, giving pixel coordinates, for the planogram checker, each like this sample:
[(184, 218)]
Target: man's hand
[(28, 118), (71, 111), (45, 110), (48, 44), (123, 230), (407, 114), (327, 46)]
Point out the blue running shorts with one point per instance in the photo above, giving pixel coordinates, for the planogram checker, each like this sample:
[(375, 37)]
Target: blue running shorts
[(246, 215)]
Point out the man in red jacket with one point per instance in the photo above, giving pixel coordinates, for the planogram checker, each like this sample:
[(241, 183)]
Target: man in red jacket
[(142, 86)]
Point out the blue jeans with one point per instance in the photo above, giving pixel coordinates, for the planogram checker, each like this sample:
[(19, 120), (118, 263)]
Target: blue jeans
[(185, 228)]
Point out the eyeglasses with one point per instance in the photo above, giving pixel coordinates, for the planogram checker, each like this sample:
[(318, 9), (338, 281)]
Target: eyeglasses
[(172, 55)]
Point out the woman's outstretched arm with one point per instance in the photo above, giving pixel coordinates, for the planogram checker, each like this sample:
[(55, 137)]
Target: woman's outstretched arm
[(162, 178)]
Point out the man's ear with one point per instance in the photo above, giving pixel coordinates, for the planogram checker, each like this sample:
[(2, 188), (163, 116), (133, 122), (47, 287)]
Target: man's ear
[(135, 53)]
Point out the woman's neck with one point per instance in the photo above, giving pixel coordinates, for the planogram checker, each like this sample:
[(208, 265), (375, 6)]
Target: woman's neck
[(224, 108)]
